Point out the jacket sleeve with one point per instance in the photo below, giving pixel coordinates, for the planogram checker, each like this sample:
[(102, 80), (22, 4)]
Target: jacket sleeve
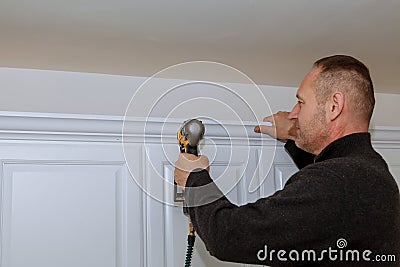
[(300, 157), (292, 218)]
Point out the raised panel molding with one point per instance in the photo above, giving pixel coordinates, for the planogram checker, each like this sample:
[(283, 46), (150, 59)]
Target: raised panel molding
[(63, 213)]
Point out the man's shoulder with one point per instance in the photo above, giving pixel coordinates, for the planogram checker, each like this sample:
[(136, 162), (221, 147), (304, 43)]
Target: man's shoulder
[(347, 174), (349, 170)]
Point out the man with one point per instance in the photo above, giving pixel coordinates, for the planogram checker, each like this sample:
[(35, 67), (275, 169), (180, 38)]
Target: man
[(342, 208)]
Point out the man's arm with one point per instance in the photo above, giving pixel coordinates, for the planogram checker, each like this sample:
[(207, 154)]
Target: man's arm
[(289, 219), (300, 157)]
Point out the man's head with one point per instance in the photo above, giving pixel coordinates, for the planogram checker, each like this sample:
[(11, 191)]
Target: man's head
[(336, 98), (349, 76)]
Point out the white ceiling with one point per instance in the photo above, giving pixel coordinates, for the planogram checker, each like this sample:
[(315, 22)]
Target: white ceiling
[(273, 42)]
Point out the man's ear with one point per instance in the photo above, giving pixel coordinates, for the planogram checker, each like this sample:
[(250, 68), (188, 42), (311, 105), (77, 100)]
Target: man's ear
[(336, 105)]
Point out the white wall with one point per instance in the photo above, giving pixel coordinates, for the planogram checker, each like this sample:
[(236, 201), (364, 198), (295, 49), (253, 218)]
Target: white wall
[(86, 93)]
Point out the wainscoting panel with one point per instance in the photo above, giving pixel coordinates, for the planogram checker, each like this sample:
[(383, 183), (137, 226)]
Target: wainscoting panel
[(77, 190), (62, 214)]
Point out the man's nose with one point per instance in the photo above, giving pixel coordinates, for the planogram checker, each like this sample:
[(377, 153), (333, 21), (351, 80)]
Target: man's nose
[(295, 111)]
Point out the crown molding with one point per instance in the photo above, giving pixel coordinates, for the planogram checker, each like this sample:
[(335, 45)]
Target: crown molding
[(104, 128), (117, 129)]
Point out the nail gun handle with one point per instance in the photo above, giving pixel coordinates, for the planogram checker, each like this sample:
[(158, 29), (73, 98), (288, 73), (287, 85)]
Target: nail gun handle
[(191, 150), (178, 192)]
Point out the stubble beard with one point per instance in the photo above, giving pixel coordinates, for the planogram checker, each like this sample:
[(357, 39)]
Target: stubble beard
[(313, 135)]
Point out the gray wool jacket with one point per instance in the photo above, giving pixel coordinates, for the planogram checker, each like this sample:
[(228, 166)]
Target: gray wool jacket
[(342, 208)]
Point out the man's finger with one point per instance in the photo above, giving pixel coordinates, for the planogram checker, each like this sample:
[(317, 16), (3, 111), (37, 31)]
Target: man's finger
[(268, 119), (270, 130), (257, 129)]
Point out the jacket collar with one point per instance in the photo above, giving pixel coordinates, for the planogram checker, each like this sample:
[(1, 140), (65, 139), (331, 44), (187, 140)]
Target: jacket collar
[(345, 146)]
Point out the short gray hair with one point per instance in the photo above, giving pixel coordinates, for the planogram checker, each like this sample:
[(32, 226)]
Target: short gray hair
[(349, 76)]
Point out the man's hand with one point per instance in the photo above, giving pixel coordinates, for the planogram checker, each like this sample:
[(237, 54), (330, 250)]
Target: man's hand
[(282, 127), (185, 164)]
